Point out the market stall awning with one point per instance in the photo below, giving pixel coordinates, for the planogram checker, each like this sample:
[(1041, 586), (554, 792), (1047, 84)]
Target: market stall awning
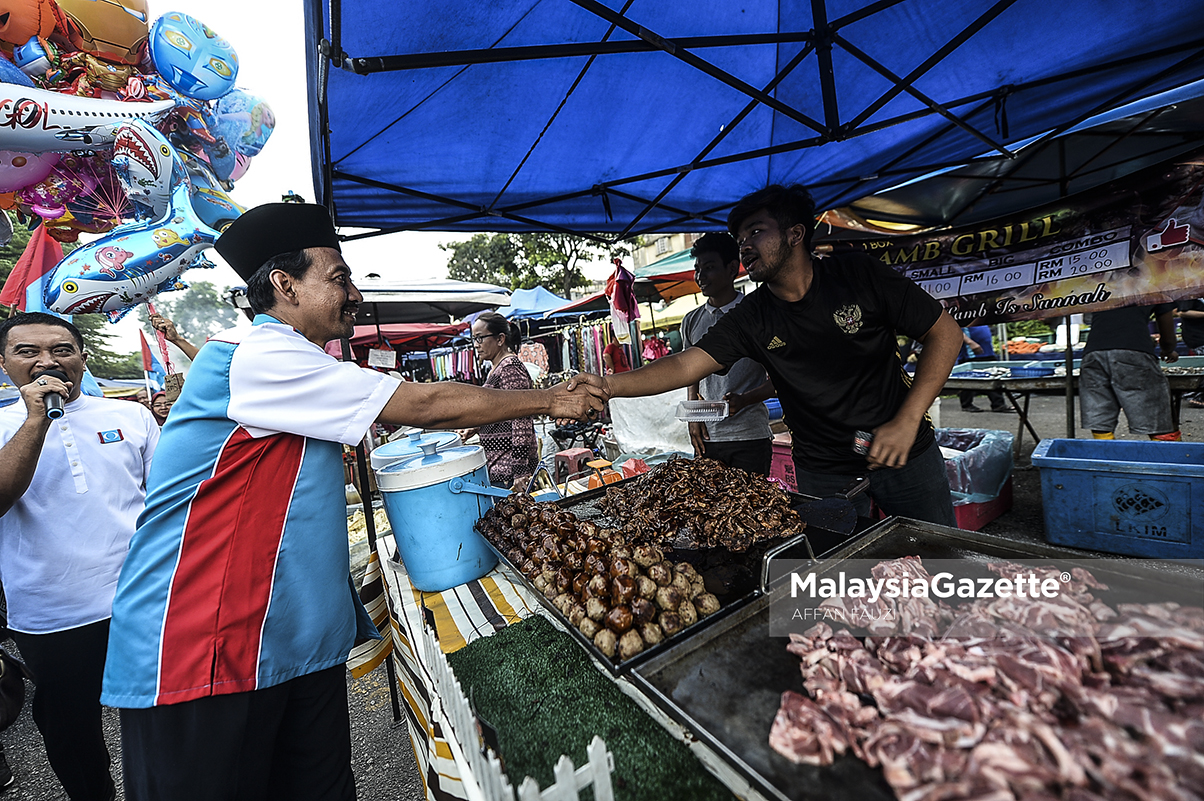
[(671, 315), (425, 301), (584, 116), (408, 336), (532, 303), (591, 303)]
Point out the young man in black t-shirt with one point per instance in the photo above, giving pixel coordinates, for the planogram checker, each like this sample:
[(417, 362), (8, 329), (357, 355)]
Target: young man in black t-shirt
[(825, 332)]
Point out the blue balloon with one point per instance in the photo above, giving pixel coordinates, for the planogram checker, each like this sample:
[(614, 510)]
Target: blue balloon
[(244, 121), (192, 57)]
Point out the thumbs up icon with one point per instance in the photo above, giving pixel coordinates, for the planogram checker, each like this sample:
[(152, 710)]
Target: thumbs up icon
[(1171, 235)]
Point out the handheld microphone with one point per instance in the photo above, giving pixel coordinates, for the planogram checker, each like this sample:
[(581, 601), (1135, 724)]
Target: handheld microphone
[(53, 400)]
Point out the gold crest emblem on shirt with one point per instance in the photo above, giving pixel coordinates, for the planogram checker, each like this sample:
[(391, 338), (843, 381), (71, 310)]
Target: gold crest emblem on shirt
[(775, 343), (848, 318)]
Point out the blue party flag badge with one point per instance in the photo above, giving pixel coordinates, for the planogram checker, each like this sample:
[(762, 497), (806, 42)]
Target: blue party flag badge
[(110, 436)]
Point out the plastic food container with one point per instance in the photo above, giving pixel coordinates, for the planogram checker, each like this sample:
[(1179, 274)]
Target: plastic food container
[(432, 525), (701, 411)]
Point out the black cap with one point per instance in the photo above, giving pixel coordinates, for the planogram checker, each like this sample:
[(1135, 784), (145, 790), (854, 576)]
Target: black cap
[(274, 228)]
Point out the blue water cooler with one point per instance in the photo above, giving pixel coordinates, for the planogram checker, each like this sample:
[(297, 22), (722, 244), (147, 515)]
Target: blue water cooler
[(410, 445), (432, 505)]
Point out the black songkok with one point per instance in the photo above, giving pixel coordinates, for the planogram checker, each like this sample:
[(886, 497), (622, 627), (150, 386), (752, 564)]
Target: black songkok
[(272, 229)]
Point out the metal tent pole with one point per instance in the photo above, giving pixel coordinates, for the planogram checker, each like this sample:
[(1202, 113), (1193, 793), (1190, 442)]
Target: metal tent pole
[(361, 466)]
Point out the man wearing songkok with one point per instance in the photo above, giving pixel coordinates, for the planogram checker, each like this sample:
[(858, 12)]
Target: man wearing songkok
[(235, 613)]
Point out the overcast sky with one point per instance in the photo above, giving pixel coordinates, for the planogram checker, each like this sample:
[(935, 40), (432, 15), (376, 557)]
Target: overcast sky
[(268, 36)]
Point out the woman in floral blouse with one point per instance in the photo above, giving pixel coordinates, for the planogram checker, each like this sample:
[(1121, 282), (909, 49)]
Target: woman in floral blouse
[(511, 451)]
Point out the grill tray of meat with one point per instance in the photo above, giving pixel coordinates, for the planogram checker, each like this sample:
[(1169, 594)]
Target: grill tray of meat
[(596, 562), (920, 719)]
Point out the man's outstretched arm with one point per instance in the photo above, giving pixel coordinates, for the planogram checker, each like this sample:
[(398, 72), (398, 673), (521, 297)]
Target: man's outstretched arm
[(671, 372)]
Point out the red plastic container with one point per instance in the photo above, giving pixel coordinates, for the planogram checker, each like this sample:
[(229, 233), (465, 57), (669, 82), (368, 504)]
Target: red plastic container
[(973, 516)]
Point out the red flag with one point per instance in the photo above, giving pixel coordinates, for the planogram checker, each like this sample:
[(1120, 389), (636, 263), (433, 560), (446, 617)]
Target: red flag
[(148, 361), (41, 256)]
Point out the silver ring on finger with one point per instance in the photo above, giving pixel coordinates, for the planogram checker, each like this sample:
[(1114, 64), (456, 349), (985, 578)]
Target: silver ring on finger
[(41, 382)]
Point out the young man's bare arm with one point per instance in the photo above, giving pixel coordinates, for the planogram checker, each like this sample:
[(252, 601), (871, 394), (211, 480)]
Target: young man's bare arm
[(451, 405), (671, 372)]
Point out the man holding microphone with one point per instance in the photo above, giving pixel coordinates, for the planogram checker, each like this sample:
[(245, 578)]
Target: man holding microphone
[(73, 472)]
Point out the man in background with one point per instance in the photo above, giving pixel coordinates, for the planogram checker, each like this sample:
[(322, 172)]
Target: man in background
[(1120, 370), (743, 438), (1191, 326), (979, 348)]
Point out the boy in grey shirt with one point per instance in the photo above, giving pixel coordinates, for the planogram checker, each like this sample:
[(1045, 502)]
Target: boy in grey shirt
[(743, 439)]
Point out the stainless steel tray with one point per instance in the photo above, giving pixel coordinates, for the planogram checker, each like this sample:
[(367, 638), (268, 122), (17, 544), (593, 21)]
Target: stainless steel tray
[(725, 683), (744, 587)]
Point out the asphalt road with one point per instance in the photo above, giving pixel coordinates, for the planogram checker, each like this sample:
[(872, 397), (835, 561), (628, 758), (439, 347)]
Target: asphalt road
[(382, 758)]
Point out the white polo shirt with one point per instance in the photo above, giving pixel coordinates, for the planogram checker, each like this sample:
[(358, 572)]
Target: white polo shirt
[(63, 542)]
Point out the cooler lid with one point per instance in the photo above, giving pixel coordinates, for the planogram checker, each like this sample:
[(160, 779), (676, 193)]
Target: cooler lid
[(410, 444), (425, 470)]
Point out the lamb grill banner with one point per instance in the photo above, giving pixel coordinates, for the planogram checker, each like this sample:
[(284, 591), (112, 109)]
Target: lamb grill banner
[(1136, 241)]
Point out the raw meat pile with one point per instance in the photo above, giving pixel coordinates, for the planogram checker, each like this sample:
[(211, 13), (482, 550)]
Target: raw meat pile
[(702, 503), (1062, 698), (624, 598)]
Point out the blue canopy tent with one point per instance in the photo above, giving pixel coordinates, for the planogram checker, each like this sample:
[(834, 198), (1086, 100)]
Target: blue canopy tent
[(535, 302), (624, 119)]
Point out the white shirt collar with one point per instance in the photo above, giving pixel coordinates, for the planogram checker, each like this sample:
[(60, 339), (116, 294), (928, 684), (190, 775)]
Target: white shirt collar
[(725, 309)]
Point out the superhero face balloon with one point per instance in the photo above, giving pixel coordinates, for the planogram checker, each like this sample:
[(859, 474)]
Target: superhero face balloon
[(192, 57)]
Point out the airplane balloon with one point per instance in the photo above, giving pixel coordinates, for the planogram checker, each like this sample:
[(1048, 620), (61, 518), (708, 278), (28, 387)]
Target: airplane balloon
[(37, 121)]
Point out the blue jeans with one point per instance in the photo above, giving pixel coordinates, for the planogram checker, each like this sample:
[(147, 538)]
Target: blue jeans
[(918, 489)]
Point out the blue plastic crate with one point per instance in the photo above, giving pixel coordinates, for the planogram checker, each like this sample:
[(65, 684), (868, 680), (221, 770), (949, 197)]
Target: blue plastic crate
[(1124, 496)]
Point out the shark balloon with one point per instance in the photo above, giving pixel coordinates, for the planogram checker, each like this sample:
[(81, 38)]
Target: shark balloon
[(147, 167), (138, 260)]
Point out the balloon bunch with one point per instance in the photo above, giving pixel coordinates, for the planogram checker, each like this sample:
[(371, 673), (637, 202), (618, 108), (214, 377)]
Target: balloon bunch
[(112, 125)]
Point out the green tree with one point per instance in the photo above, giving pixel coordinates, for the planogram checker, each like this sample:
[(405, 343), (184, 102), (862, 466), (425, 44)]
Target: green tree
[(198, 312), (102, 361), (489, 259), (524, 261)]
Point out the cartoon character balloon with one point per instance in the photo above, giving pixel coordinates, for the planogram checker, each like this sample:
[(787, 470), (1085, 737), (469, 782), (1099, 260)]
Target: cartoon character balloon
[(49, 197), (113, 30), (21, 20), (192, 57), (244, 121)]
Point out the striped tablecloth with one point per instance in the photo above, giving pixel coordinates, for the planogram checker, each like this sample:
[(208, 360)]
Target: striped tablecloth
[(455, 618)]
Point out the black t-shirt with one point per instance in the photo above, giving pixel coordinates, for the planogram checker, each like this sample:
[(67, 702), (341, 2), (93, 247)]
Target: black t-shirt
[(1127, 328), (832, 356), (1192, 329)]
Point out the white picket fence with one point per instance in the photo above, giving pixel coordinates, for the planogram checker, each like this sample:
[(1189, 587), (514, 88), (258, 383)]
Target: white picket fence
[(484, 763)]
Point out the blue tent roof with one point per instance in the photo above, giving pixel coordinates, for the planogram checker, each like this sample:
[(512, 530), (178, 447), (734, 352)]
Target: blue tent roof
[(532, 303), (517, 115)]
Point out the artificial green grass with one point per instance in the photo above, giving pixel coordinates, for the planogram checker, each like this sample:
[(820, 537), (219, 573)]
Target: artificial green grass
[(538, 689)]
